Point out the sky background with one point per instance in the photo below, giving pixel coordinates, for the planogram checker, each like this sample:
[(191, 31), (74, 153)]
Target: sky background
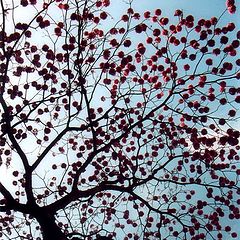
[(200, 9)]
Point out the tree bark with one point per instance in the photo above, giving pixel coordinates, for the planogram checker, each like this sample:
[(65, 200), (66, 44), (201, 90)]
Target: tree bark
[(50, 230)]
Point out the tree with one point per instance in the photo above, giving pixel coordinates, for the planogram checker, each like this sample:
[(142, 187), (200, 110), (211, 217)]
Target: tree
[(125, 129)]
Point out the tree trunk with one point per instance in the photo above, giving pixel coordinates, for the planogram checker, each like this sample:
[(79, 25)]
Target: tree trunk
[(49, 228)]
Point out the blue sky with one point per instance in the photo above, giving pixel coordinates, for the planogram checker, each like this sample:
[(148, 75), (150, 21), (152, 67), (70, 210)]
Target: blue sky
[(199, 9)]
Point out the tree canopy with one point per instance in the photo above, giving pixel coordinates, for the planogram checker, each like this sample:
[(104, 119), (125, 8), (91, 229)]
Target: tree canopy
[(117, 128)]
